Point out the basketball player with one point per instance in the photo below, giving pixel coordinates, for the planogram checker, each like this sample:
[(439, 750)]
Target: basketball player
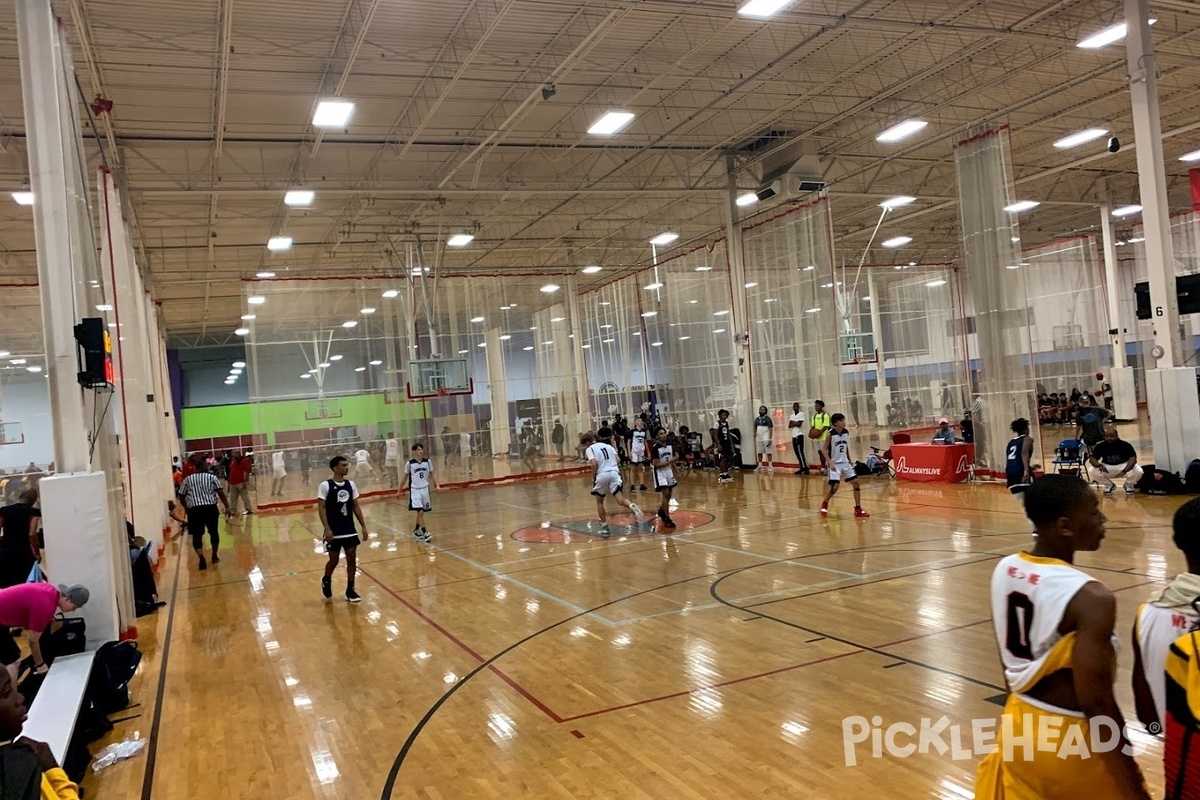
[(1017, 470), (362, 463), (280, 473), (391, 460), (663, 457), (764, 428), (835, 452), (338, 508), (724, 442), (1163, 620), (418, 474), (606, 475), (1054, 626), (639, 454)]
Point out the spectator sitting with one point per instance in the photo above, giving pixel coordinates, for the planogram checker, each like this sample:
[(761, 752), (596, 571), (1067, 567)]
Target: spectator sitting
[(944, 434), (1115, 458), (53, 782)]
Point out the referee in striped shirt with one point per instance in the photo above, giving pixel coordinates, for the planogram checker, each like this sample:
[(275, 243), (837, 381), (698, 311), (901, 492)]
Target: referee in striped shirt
[(199, 493)]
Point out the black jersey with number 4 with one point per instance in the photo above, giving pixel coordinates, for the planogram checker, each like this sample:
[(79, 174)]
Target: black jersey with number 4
[(724, 433), (339, 506)]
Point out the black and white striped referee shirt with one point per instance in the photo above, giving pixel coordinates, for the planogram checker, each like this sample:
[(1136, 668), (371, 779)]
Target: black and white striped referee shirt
[(200, 489)]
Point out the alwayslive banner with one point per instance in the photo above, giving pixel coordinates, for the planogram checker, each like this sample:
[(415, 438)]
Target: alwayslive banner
[(933, 463), (1194, 178)]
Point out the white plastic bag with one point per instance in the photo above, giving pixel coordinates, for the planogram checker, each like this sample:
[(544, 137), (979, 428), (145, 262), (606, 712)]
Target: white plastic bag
[(117, 752)]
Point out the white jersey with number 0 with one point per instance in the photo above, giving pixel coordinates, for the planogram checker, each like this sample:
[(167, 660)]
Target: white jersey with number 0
[(605, 457), (1030, 595)]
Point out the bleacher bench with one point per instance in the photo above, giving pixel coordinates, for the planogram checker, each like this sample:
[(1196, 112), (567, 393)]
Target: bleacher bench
[(56, 707)]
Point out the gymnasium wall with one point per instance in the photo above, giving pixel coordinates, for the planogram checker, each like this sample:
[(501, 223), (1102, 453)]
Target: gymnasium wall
[(27, 400)]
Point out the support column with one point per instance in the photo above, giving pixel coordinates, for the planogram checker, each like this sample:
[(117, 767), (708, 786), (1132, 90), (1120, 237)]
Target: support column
[(1120, 376), (501, 426), (743, 411), (581, 415), (883, 392), (53, 165), (1170, 388)]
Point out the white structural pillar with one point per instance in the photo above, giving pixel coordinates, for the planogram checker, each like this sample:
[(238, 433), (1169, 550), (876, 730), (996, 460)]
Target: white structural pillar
[(1170, 387), (581, 415), (1120, 376), (84, 537), (501, 426), (744, 409), (883, 392), (53, 163)]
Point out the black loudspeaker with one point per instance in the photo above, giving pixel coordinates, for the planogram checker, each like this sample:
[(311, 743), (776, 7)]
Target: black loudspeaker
[(95, 363)]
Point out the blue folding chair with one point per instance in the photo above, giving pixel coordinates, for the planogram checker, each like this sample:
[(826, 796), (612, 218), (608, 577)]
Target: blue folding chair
[(1069, 457)]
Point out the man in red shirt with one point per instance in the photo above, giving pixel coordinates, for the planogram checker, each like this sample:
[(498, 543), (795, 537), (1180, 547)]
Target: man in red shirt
[(32, 606), (239, 483)]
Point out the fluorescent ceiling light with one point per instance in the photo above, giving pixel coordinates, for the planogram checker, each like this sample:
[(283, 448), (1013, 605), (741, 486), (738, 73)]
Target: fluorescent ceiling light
[(390, 293), (504, 338), (299, 197), (591, 270), (248, 317), (812, 310), (693, 302), (239, 365), (104, 307), (1021, 205), (375, 363), (526, 349), (1083, 137), (587, 347), (324, 365), (548, 343), (1111, 34), (235, 372), (4, 354), (19, 361), (256, 300), (483, 344), (558, 319), (350, 323), (935, 284), (34, 369), (648, 314), (364, 369), (771, 300), (719, 330), (367, 310), (703, 269), (336, 358), (901, 131), (242, 332), (476, 319), (751, 285), (332, 113), (656, 344), (306, 375), (664, 238), (684, 338), (654, 286), (1192, 156), (610, 123), (720, 313), (809, 268), (747, 199), (867, 299), (460, 240), (1126, 211), (898, 241), (23, 198), (265, 275), (277, 244), (549, 288), (761, 9), (897, 202)]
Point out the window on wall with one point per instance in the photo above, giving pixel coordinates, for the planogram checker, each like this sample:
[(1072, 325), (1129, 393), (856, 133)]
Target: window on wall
[(905, 324)]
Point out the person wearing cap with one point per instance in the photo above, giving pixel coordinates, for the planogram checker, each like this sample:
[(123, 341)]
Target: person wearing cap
[(32, 606), (944, 434)]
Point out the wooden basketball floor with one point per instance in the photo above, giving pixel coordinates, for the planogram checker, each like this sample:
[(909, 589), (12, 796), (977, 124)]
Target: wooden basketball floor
[(519, 656)]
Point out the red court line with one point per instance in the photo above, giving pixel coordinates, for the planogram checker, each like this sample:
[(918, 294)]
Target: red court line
[(686, 692), (545, 709), (386, 493)]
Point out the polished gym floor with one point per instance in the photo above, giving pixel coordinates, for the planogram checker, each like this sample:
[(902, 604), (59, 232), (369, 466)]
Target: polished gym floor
[(520, 655)]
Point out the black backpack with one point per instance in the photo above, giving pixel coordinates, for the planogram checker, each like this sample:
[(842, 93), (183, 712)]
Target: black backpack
[(22, 773), (1159, 482), (1191, 478), (115, 664)]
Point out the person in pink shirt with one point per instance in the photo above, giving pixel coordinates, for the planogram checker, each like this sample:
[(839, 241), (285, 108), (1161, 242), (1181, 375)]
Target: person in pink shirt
[(32, 606)]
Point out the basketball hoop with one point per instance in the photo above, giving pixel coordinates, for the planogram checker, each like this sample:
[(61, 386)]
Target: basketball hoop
[(442, 391)]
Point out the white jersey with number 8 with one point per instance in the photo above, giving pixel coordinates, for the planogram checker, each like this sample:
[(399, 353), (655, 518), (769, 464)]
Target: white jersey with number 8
[(1030, 595)]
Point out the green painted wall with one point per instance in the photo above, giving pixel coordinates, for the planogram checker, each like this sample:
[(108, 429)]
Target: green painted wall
[(243, 419)]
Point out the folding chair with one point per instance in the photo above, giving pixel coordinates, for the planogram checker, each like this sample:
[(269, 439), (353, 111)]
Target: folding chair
[(1069, 457)]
